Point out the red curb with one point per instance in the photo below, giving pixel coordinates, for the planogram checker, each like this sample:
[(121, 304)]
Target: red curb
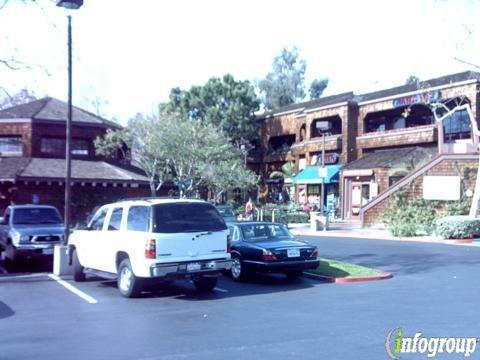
[(349, 279), (462, 241)]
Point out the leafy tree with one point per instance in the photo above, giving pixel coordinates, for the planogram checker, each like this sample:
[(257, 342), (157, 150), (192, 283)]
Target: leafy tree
[(191, 153), (145, 139), (412, 79), (22, 97), (222, 102), (317, 87), (284, 85)]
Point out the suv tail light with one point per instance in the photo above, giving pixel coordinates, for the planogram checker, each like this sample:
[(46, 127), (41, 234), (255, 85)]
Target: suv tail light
[(150, 249), (229, 244), (267, 255)]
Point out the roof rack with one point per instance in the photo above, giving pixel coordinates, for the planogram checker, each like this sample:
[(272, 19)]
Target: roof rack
[(150, 198)]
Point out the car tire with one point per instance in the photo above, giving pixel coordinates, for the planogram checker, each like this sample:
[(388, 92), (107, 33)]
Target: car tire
[(129, 285), (205, 284), (294, 274), (78, 273), (238, 272)]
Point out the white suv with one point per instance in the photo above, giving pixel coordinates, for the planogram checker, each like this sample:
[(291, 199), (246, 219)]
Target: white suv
[(162, 239)]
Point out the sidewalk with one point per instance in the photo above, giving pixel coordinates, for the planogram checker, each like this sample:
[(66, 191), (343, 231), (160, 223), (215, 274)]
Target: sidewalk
[(379, 234)]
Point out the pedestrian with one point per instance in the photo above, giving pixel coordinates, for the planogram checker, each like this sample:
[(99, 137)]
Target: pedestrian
[(249, 210)]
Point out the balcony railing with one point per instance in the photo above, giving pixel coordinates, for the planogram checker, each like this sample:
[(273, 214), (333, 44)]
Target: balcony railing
[(412, 135)]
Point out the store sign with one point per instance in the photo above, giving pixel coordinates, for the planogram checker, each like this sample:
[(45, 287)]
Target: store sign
[(424, 98), (441, 188), (330, 159)]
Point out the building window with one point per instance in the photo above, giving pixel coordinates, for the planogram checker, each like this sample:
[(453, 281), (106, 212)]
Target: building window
[(457, 126), (80, 147), (56, 146), (52, 146), (10, 145)]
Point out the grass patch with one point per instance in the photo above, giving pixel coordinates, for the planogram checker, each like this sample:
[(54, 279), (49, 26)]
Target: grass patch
[(338, 269)]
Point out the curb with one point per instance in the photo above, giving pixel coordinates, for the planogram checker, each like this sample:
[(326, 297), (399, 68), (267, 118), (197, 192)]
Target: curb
[(349, 279)]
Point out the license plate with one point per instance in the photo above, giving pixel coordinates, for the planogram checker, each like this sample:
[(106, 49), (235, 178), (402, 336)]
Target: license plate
[(293, 252), (47, 251), (193, 267)]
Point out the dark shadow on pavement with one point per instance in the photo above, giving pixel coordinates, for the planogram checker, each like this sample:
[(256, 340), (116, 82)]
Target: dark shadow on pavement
[(5, 311), (185, 290)]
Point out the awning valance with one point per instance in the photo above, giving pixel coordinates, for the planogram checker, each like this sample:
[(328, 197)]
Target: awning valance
[(310, 175)]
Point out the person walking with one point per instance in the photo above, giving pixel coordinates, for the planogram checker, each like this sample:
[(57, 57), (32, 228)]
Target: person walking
[(249, 210)]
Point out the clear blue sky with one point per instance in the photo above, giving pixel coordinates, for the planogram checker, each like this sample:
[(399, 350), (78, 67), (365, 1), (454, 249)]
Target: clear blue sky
[(131, 53)]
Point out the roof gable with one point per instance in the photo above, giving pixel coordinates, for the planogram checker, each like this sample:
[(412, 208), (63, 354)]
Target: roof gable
[(51, 109)]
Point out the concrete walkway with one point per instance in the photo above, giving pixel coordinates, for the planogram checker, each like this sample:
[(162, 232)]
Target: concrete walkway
[(372, 233)]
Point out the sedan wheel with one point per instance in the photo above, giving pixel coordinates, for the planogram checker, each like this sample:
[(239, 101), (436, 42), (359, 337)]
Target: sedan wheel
[(128, 284), (238, 271)]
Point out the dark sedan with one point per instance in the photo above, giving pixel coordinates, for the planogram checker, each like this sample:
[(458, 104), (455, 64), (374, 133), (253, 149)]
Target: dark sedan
[(268, 247)]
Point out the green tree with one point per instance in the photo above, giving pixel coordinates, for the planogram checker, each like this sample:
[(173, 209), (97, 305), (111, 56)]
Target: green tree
[(222, 102), (412, 79), (284, 85), (317, 87), (191, 153), (148, 148)]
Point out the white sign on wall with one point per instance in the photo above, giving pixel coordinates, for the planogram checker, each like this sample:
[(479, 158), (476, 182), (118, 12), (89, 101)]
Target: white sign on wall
[(441, 188)]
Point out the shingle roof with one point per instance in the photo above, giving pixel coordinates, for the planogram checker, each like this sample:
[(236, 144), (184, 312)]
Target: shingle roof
[(52, 109), (340, 98), (391, 158), (306, 105), (11, 166), (444, 80), (54, 169)]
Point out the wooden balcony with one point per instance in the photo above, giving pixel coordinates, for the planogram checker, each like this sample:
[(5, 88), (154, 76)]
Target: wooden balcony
[(407, 136), (332, 143)]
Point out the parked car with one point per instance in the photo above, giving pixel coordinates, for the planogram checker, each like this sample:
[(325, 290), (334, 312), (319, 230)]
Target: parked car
[(268, 247), (30, 230), (227, 213), (138, 241)]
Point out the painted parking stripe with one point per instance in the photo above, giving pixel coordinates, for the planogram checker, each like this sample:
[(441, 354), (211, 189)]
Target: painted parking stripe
[(3, 271), (73, 289), (221, 290)]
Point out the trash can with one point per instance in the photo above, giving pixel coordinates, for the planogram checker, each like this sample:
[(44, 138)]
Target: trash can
[(318, 221)]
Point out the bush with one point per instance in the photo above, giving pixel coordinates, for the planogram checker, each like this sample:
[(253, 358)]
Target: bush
[(410, 217), (457, 227), (453, 208)]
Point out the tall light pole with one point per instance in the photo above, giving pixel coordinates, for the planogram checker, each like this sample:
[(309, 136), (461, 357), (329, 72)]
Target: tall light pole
[(73, 5)]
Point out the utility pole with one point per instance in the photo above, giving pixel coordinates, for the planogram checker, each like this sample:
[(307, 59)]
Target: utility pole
[(322, 191)]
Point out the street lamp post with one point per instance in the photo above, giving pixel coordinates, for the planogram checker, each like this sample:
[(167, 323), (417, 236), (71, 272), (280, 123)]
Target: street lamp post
[(68, 4)]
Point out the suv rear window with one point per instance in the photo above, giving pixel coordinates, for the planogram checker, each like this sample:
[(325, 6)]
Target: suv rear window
[(36, 216), (186, 217)]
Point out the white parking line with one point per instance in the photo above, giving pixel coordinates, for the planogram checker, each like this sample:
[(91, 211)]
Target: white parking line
[(73, 289), (2, 270), (221, 290)]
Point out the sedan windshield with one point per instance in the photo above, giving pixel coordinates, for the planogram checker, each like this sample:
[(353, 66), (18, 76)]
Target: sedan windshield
[(186, 217), (36, 216), (262, 232)]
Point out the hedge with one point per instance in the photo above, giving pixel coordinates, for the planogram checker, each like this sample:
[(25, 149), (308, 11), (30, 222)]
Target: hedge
[(457, 227)]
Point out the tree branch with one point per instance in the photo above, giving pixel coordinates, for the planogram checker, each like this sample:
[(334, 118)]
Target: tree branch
[(467, 63)]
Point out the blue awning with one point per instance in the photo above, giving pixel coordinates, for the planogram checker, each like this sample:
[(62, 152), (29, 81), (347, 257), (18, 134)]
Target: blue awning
[(310, 175)]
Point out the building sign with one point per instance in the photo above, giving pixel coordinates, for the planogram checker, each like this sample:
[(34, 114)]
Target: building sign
[(424, 98), (441, 188), (330, 159)]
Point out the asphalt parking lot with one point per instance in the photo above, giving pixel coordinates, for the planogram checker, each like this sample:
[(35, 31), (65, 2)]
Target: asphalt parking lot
[(435, 290)]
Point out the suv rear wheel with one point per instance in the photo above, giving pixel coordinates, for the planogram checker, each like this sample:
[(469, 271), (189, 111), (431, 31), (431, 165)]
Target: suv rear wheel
[(204, 283), (128, 284), (78, 274)]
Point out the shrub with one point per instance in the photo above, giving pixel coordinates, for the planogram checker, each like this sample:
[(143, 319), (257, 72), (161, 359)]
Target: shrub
[(457, 227), (453, 208), (410, 217)]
